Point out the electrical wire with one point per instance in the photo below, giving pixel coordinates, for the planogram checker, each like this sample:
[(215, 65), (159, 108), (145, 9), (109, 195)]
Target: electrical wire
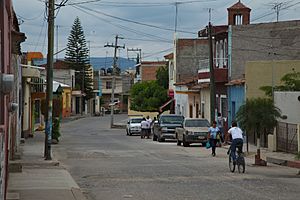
[(136, 22), (158, 38)]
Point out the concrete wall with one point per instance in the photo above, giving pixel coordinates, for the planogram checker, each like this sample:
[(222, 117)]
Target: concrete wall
[(261, 73), (193, 100), (181, 101), (188, 54), (289, 104), (205, 103), (62, 76), (266, 41)]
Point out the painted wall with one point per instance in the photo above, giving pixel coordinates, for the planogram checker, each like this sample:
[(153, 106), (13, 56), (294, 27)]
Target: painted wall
[(66, 100), (236, 98), (263, 73), (205, 103), (193, 101), (289, 104), (181, 101)]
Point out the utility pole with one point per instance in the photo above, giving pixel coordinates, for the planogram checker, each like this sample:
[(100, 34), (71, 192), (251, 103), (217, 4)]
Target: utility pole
[(212, 75), (49, 94), (277, 7), (114, 77), (136, 49), (57, 42)]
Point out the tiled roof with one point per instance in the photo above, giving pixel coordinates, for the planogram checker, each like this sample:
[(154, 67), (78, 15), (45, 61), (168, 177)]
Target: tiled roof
[(238, 5), (187, 82), (236, 82)]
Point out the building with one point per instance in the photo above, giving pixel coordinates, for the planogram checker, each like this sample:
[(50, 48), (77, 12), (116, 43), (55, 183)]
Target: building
[(103, 91), (10, 78), (266, 73), (148, 69), (183, 70)]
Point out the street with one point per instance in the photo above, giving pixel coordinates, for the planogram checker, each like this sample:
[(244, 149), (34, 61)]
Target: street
[(109, 165)]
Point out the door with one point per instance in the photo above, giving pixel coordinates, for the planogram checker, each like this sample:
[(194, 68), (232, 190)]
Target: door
[(197, 110), (191, 111), (232, 110)]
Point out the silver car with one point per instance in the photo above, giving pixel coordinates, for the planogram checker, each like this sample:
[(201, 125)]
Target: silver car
[(134, 125), (193, 131)]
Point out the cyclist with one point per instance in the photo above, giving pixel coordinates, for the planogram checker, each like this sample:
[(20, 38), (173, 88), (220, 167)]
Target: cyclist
[(237, 140)]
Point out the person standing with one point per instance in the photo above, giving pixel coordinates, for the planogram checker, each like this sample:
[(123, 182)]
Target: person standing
[(144, 127), (220, 124), (149, 120), (213, 131)]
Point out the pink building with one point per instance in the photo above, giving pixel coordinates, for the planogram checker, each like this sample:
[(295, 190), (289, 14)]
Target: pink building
[(10, 39)]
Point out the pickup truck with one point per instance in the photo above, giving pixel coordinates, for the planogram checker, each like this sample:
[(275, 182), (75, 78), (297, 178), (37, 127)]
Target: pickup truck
[(193, 131), (164, 128)]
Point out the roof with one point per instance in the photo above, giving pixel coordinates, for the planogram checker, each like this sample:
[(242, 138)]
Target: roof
[(187, 82), (158, 63), (57, 84), (169, 56), (239, 5), (34, 55), (59, 64), (236, 82)]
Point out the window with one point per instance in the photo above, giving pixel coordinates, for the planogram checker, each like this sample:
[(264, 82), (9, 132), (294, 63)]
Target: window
[(108, 85)]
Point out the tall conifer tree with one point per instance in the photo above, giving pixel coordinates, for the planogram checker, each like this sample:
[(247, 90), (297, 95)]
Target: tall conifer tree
[(77, 55)]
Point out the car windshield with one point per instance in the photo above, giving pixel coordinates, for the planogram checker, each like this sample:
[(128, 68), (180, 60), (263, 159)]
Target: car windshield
[(196, 123), (138, 120), (172, 119)]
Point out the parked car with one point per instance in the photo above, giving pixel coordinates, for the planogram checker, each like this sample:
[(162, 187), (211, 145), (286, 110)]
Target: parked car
[(193, 131), (134, 125), (164, 128)]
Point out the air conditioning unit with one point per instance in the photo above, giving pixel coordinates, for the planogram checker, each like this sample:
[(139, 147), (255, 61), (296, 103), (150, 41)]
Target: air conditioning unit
[(6, 83)]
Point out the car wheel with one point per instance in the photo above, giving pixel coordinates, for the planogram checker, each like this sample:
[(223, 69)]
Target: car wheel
[(159, 139), (184, 143)]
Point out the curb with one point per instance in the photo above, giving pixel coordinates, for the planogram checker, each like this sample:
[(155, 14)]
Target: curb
[(287, 163)]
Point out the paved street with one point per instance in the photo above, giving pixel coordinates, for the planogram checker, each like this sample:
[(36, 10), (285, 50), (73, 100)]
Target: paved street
[(109, 165)]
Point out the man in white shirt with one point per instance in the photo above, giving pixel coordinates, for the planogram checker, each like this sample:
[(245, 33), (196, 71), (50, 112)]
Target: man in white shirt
[(237, 140), (145, 126)]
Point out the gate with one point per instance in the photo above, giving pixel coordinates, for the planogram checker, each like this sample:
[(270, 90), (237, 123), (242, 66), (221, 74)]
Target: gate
[(286, 137)]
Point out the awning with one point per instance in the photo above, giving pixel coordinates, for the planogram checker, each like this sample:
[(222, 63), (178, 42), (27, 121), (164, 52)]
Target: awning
[(165, 104)]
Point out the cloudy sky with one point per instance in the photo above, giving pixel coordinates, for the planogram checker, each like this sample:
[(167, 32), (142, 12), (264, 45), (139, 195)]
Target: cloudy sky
[(148, 25)]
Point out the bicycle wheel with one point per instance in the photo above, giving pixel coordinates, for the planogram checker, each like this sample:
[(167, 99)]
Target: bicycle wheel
[(231, 164), (241, 164)]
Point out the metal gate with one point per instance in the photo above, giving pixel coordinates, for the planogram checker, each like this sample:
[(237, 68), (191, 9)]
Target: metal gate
[(286, 137)]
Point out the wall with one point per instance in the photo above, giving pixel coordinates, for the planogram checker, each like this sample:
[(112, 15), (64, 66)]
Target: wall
[(188, 54), (236, 96), (66, 99), (193, 100), (205, 103), (181, 101), (258, 42), (261, 73), (289, 104), (149, 69)]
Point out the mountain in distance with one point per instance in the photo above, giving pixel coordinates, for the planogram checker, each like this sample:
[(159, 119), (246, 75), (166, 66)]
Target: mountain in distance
[(107, 62)]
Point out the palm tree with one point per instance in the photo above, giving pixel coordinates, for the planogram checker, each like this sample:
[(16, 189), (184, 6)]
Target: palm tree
[(258, 115)]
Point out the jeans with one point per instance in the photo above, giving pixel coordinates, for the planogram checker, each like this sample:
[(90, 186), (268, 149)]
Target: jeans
[(236, 142)]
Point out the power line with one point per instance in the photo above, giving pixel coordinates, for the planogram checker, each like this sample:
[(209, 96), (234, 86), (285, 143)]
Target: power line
[(135, 22), (125, 27)]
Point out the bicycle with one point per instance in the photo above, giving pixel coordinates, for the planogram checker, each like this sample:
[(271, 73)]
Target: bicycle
[(240, 160)]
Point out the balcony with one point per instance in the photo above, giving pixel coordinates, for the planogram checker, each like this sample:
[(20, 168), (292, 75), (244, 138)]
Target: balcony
[(30, 71), (221, 74)]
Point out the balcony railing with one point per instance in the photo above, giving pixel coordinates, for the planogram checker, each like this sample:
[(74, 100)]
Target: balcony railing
[(218, 63)]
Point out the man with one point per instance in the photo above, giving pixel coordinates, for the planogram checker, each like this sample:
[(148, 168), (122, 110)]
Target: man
[(145, 126), (149, 120), (237, 140)]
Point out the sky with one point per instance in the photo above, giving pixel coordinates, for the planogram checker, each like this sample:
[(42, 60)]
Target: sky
[(146, 25)]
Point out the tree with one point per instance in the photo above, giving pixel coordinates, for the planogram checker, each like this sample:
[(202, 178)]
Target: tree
[(162, 76), (147, 96), (258, 115), (291, 82), (77, 55)]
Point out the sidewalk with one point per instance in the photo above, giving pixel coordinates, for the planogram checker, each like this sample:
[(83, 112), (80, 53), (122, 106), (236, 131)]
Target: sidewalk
[(40, 179), (279, 158)]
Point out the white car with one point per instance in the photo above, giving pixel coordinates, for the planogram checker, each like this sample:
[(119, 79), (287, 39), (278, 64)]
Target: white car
[(134, 125)]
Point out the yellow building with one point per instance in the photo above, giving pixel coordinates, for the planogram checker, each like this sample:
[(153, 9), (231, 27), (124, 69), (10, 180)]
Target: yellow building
[(267, 73)]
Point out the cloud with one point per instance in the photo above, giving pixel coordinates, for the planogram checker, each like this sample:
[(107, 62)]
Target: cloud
[(102, 29)]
